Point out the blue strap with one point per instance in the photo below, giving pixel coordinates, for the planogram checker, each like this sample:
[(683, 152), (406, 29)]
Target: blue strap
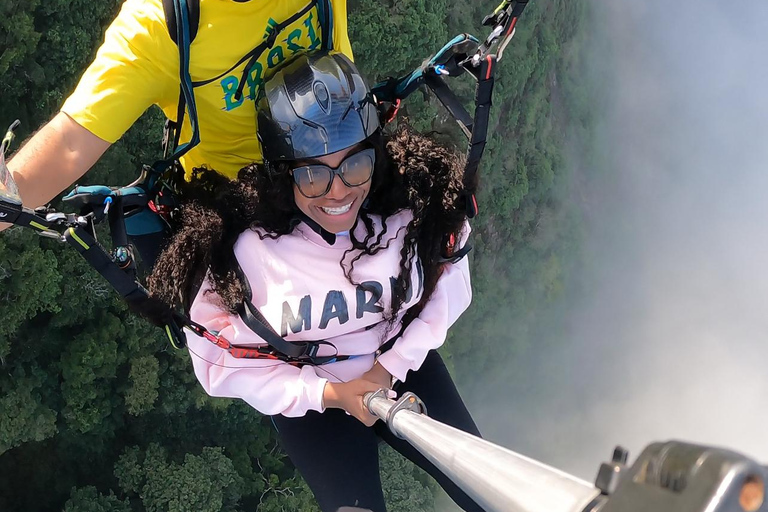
[(93, 190), (139, 219), (102, 190), (97, 197), (184, 41), (437, 64), (143, 222)]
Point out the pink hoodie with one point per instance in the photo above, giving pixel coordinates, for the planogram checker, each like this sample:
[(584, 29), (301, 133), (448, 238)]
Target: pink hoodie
[(300, 288)]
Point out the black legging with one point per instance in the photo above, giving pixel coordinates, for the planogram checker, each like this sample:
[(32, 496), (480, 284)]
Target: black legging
[(338, 456)]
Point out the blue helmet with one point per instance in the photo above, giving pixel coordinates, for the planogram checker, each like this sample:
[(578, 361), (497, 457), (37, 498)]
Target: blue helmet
[(315, 104)]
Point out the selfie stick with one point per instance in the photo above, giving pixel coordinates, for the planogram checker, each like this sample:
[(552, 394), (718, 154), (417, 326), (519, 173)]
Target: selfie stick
[(498, 479), (671, 476)]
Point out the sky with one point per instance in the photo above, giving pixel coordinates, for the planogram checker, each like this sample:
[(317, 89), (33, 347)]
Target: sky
[(669, 338)]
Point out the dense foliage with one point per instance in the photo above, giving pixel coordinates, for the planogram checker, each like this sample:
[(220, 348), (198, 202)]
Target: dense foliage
[(98, 414)]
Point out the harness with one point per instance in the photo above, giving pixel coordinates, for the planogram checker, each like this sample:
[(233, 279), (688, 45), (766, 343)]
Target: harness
[(142, 208), (464, 53)]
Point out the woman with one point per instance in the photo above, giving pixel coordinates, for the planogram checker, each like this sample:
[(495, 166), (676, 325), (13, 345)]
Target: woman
[(340, 236)]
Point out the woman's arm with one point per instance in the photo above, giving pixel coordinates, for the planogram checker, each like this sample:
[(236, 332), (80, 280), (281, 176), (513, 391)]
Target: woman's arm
[(271, 387), (450, 299)]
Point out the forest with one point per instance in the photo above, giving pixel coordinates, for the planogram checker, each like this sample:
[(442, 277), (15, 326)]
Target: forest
[(98, 413)]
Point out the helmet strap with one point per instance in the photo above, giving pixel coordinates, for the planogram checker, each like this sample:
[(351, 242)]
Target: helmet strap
[(330, 238)]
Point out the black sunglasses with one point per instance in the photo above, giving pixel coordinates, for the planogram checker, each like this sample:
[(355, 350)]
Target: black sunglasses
[(315, 180)]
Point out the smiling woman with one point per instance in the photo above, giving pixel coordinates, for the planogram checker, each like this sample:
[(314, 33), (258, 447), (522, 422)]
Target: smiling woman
[(334, 203), (341, 242)]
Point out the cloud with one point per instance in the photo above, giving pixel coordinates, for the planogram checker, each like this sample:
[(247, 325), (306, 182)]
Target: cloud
[(669, 339)]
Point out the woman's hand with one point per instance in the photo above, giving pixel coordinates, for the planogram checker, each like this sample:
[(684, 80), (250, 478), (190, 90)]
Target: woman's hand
[(379, 375), (349, 396)]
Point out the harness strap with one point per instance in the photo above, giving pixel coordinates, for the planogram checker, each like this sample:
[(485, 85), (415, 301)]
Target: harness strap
[(450, 61), (169, 7), (449, 100), (20, 216), (300, 351), (479, 133), (131, 291), (79, 238), (325, 14), (183, 18)]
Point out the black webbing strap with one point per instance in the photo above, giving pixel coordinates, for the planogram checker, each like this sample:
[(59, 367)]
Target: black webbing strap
[(325, 15), (479, 134), (116, 217), (20, 216), (124, 282), (451, 103), (518, 9), (99, 259), (298, 351)]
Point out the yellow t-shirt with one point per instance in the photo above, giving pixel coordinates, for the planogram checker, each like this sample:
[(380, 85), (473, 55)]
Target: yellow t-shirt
[(138, 65)]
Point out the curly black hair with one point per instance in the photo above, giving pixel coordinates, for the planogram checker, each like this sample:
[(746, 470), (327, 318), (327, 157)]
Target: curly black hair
[(412, 172)]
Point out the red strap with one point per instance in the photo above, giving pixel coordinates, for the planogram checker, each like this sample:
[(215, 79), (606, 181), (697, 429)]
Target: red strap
[(392, 112), (451, 245), (511, 27)]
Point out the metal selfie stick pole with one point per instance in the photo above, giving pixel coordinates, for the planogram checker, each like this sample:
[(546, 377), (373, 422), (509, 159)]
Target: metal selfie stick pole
[(498, 479), (672, 476)]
